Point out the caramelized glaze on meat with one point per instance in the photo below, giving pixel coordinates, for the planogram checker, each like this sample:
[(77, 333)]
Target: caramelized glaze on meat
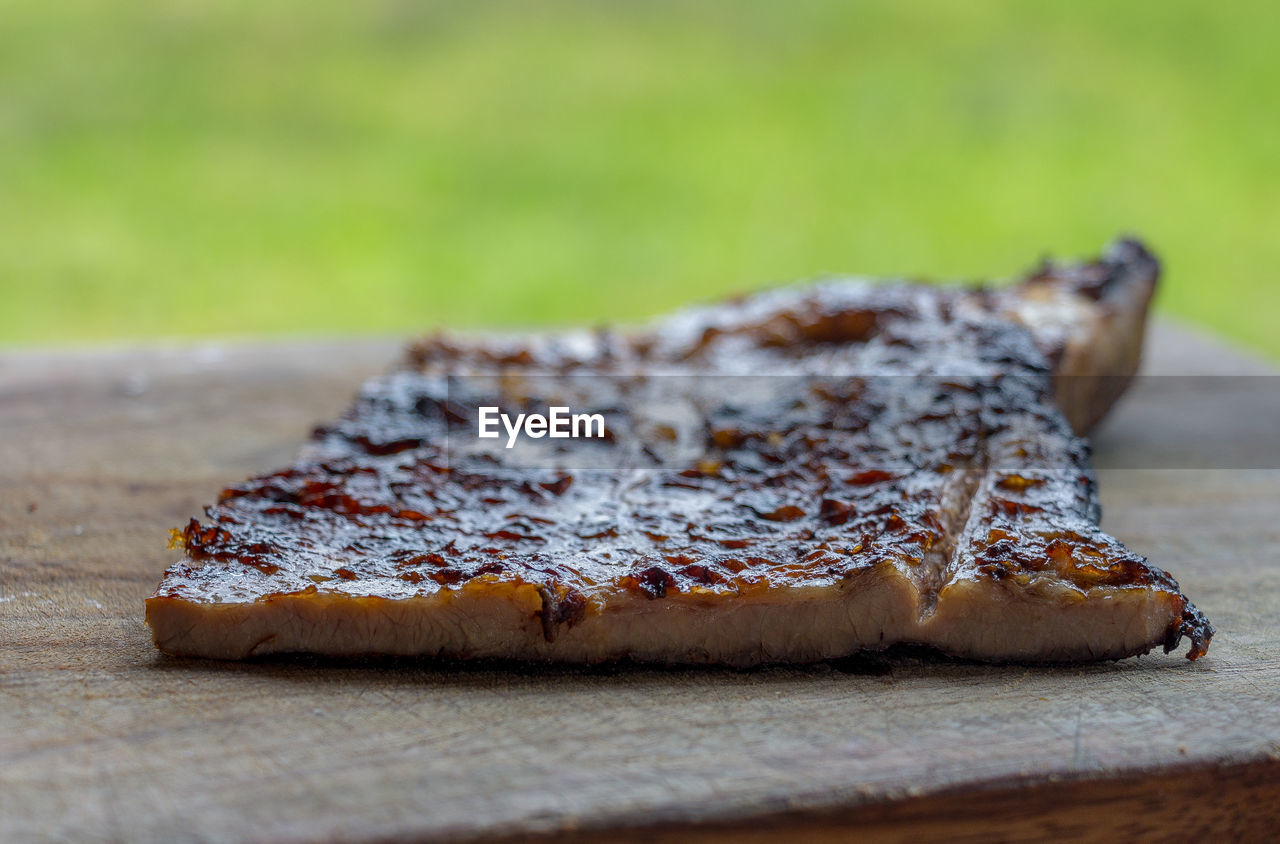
[(800, 444)]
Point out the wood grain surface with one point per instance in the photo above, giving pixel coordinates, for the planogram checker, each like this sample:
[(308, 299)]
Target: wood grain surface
[(103, 738)]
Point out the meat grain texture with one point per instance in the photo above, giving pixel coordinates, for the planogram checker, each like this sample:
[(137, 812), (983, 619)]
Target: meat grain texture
[(794, 476)]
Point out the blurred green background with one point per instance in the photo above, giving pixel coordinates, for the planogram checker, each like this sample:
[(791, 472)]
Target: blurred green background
[(228, 168)]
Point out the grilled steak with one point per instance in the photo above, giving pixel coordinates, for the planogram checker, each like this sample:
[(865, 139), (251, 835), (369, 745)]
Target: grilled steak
[(793, 476)]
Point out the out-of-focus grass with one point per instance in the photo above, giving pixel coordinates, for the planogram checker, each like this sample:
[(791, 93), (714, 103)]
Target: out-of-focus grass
[(193, 167)]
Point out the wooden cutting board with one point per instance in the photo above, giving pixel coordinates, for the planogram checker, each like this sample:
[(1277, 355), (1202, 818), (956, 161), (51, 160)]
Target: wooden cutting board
[(101, 737)]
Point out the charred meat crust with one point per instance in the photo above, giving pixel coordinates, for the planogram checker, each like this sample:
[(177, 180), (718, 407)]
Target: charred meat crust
[(1108, 280), (905, 444), (1088, 320), (1194, 626)]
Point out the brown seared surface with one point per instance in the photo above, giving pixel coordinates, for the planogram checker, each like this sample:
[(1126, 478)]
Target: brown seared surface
[(903, 425)]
